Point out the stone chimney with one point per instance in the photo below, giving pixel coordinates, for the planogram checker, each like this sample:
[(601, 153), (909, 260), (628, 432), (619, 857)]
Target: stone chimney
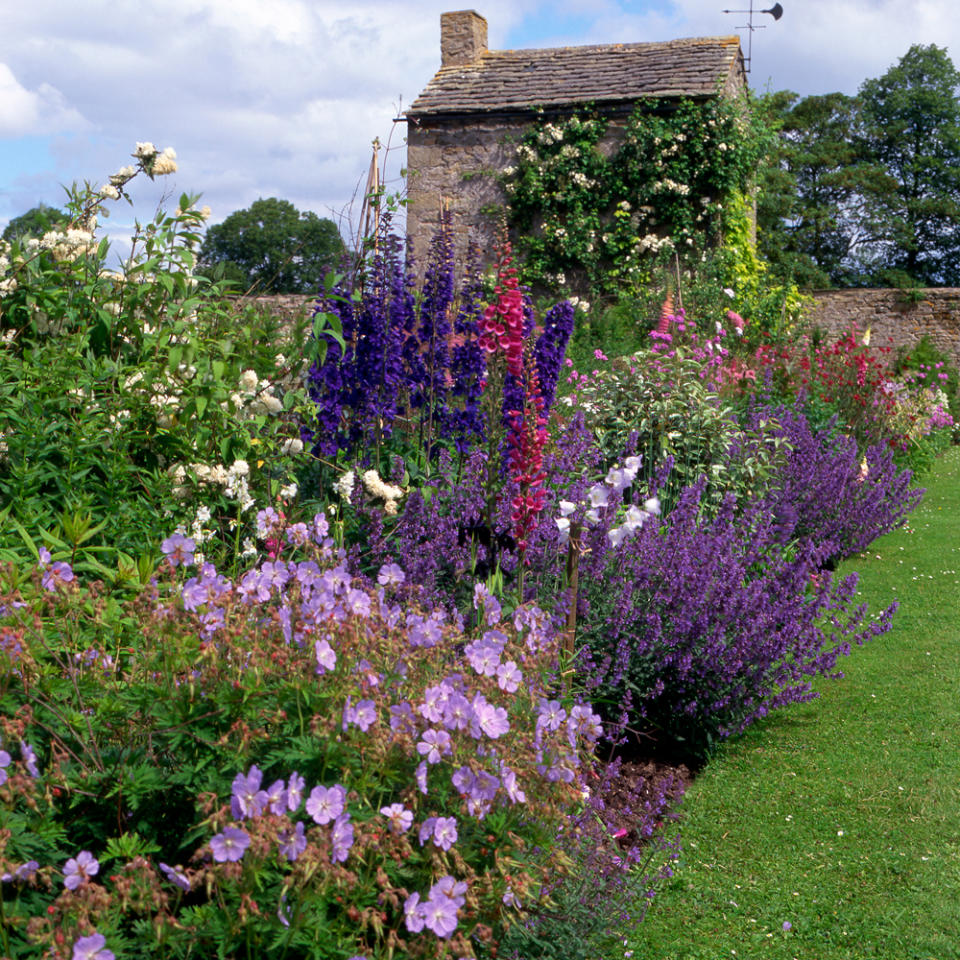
[(463, 37)]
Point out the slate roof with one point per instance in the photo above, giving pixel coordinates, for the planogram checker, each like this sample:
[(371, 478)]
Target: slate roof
[(511, 80)]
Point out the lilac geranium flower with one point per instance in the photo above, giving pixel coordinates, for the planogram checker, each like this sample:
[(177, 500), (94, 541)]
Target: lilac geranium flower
[(229, 845), (76, 871), (292, 842), (434, 745), (92, 948), (277, 797), (179, 549), (247, 799), (550, 715), (175, 875), (445, 832), (509, 780), (440, 916), (295, 786), (390, 574), (57, 575), (364, 715), (450, 887), (5, 761), (326, 803), (488, 719), (326, 657), (426, 829), (26, 871), (342, 838), (509, 677), (421, 776), (483, 657), (401, 819), (413, 913)]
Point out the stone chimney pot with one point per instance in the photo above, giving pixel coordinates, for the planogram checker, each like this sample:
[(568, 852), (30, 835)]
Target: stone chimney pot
[(463, 37)]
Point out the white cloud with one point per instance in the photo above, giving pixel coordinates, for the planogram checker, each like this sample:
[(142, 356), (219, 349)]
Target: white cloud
[(26, 112), (283, 97)]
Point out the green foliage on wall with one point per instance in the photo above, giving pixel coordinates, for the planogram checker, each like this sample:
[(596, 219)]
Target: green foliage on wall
[(598, 209)]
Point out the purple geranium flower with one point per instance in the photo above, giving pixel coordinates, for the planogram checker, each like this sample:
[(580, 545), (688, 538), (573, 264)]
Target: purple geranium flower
[(342, 838), (59, 574), (435, 743), (401, 819), (5, 760), (390, 574), (488, 718), (92, 948), (247, 799), (229, 845), (295, 787), (292, 842), (179, 549), (509, 676), (29, 759), (325, 804), (76, 871), (445, 832), (26, 871), (326, 657), (413, 913), (450, 887), (440, 916), (277, 797), (175, 875), (364, 715)]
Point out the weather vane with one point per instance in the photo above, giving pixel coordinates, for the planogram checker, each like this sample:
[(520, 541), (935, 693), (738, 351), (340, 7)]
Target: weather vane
[(776, 11)]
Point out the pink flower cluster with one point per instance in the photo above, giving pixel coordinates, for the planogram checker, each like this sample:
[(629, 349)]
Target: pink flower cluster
[(501, 326)]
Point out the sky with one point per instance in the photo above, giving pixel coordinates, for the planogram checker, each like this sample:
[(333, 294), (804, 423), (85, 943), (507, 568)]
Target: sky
[(283, 98)]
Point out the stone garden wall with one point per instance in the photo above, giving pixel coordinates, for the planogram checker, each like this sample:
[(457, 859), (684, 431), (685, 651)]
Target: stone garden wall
[(894, 317)]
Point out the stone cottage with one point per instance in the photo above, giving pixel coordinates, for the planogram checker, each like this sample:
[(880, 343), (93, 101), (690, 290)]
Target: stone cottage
[(463, 127)]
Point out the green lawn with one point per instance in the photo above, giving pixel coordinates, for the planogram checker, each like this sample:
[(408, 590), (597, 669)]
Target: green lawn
[(841, 817)]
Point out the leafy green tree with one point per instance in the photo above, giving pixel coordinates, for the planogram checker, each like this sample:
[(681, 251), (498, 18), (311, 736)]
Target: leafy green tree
[(866, 189), (910, 127), (812, 196), (273, 248), (35, 222)]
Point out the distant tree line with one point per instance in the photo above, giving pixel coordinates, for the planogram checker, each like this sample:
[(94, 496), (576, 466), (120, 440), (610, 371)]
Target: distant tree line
[(271, 247), (865, 190)]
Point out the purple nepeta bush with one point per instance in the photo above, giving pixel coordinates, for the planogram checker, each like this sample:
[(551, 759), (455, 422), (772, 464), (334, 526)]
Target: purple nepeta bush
[(698, 628), (827, 492)]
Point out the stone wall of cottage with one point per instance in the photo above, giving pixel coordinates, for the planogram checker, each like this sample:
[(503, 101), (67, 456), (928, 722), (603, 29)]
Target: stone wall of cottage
[(894, 318), (453, 166)]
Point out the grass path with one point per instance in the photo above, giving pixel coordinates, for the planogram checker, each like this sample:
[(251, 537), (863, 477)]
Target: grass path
[(841, 817)]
